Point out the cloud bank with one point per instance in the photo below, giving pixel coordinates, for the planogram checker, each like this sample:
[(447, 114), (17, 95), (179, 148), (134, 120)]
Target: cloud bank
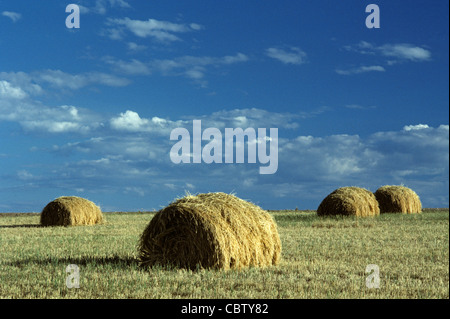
[(128, 153)]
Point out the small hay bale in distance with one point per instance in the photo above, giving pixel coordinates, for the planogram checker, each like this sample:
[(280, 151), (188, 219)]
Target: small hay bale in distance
[(349, 201), (212, 231), (71, 211), (398, 199)]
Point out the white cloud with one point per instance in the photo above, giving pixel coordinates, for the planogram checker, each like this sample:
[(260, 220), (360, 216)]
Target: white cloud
[(195, 26), (7, 91), (396, 51), (361, 69), (102, 6), (160, 30), (419, 137), (117, 146), (117, 3), (188, 61), (195, 73), (405, 51), (231, 59), (129, 121), (62, 119), (52, 126), (329, 158), (14, 16), (192, 67), (105, 79), (296, 56), (250, 117), (16, 106), (133, 67), (63, 80), (132, 46), (22, 81), (83, 9), (362, 47), (32, 82), (17, 103), (415, 127)]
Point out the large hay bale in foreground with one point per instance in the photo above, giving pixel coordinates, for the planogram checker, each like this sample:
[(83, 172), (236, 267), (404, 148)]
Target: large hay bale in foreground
[(213, 230), (71, 211), (349, 201), (398, 199)]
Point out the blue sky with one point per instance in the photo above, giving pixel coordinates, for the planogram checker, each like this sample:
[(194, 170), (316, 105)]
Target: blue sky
[(89, 111)]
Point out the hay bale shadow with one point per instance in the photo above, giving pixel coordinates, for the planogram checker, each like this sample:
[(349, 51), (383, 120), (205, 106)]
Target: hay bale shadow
[(21, 226), (116, 261)]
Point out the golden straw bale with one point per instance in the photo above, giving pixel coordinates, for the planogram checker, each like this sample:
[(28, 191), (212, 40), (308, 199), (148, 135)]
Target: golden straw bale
[(398, 199), (349, 201), (71, 211), (213, 230)]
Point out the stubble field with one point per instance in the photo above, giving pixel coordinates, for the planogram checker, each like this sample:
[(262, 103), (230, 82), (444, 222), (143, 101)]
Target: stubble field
[(321, 258)]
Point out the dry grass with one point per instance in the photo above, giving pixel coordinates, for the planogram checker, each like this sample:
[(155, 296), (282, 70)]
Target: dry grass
[(71, 211), (214, 230), (349, 201), (323, 258), (398, 199)]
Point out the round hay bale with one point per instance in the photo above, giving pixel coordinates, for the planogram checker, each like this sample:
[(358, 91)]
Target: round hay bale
[(71, 211), (349, 201), (398, 199), (213, 230)]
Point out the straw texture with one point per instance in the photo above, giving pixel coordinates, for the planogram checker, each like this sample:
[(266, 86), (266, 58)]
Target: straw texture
[(71, 211), (398, 199), (213, 230), (349, 201)]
